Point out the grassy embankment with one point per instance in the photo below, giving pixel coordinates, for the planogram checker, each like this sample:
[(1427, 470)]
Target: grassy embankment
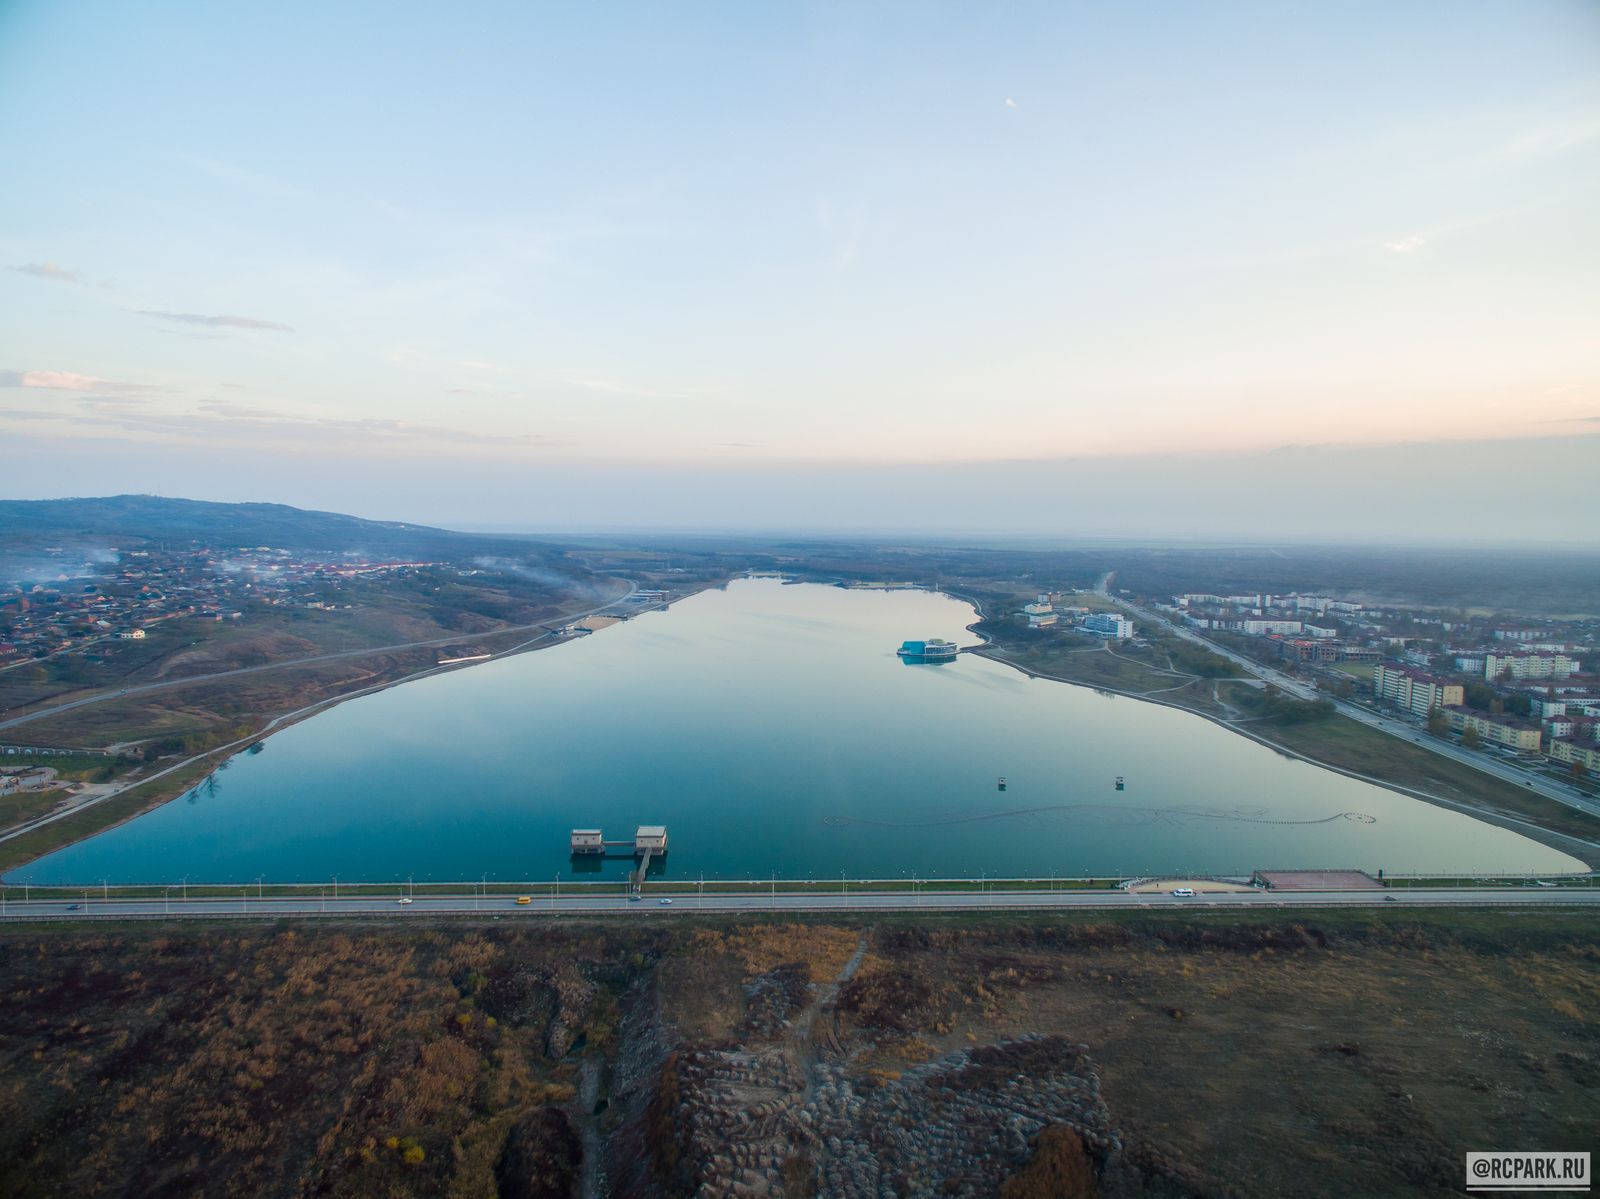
[(1351, 745), (1178, 672), (96, 818), (685, 893)]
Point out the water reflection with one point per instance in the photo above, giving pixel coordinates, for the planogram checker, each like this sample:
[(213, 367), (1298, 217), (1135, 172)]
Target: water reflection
[(770, 727)]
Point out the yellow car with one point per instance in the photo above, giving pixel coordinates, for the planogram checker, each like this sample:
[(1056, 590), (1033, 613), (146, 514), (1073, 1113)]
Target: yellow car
[(523, 899)]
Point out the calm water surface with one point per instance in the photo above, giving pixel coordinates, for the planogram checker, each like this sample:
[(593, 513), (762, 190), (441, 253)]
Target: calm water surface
[(773, 730)]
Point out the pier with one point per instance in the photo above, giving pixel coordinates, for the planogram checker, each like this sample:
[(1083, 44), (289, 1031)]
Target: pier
[(648, 840)]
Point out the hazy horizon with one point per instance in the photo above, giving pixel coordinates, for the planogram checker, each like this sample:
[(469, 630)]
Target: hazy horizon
[(1442, 493)]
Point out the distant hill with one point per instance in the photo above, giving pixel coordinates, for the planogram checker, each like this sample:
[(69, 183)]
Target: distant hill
[(137, 519)]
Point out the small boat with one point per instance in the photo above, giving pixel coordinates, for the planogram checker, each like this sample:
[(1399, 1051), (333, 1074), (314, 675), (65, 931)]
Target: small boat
[(935, 649), (1119, 782), (1002, 785)]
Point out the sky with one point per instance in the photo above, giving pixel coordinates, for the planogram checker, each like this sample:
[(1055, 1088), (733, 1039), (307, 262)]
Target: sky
[(1054, 267)]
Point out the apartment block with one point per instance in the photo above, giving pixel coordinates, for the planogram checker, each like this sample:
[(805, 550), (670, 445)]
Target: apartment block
[(1262, 628), (1570, 749), (1529, 666), (1497, 730), (1414, 690)]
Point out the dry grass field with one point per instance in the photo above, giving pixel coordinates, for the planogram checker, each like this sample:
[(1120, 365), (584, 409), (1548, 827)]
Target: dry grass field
[(1323, 1054)]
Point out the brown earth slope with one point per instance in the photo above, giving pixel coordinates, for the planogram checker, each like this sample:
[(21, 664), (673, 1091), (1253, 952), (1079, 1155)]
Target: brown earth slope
[(1324, 1054)]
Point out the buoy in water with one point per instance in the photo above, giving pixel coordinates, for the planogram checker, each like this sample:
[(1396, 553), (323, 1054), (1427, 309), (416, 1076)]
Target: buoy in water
[(1119, 782), (1002, 785)]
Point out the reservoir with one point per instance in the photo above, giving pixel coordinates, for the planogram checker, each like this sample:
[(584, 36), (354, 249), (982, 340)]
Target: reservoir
[(774, 730)]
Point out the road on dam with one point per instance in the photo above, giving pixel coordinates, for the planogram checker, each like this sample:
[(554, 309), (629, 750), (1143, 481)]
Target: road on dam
[(89, 908)]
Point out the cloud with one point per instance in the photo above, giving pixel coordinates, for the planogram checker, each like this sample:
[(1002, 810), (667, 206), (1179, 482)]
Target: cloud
[(49, 270), (1011, 103), (624, 389), (1405, 245), (460, 391), (232, 322), (67, 381)]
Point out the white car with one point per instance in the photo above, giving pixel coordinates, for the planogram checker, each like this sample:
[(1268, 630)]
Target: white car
[(404, 899), (664, 902), (1185, 892)]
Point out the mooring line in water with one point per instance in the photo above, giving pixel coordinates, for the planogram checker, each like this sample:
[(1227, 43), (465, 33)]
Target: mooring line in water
[(1151, 816)]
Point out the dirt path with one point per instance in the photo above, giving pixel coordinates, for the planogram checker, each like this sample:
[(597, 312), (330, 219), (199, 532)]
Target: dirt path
[(811, 1033), (588, 1094)]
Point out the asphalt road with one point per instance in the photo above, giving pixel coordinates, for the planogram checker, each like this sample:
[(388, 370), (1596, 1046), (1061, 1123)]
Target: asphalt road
[(1487, 763), (354, 653), (544, 904)]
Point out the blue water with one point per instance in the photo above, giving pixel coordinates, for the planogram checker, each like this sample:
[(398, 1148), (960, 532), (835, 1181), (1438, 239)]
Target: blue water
[(773, 730)]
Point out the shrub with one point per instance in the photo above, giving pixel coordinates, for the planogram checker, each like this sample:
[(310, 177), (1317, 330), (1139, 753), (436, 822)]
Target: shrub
[(1059, 1169)]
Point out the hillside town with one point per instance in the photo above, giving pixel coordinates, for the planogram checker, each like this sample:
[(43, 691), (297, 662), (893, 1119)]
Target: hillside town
[(143, 588)]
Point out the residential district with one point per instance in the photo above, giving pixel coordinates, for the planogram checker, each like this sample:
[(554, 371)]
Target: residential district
[(1522, 687), (146, 587)]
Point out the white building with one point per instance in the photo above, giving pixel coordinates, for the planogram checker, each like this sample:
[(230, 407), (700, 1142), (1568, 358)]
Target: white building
[(1261, 628), (1108, 625), (1529, 666)]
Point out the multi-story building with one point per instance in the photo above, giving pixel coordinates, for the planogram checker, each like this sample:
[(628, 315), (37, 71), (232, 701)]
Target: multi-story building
[(1518, 635), (1570, 749), (1311, 651), (1107, 624), (1414, 690), (1580, 725), (1497, 730), (1529, 666), (1263, 628), (1040, 615), (1470, 664)]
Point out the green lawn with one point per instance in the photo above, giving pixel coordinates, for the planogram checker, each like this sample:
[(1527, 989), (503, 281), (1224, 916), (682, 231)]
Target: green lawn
[(96, 819), (1356, 670), (25, 805)]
